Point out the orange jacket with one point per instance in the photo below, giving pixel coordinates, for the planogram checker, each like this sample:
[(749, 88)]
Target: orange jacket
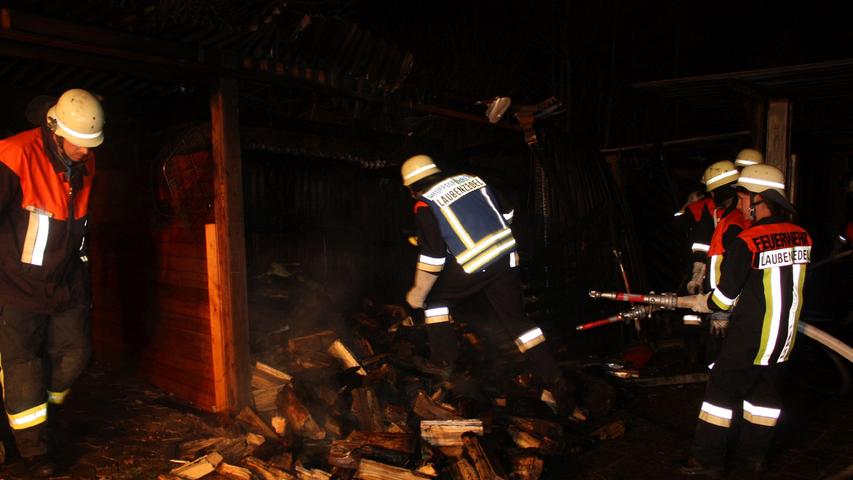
[(42, 250)]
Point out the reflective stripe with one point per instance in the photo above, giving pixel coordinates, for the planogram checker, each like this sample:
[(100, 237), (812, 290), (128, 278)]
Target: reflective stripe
[(488, 256), (765, 416), (430, 264), (57, 398), (719, 416), (436, 315), (494, 209), (758, 181), (711, 366), (745, 163), (714, 271), (508, 215), (513, 260), (679, 213), (772, 318), (721, 176), (431, 260), (84, 258), (722, 301), (457, 227), (700, 247), (529, 339), (420, 170), (483, 244), (80, 134), (691, 320), (35, 240), (794, 312), (28, 418)]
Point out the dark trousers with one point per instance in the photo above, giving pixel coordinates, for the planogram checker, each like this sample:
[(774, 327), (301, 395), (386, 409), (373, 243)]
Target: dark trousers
[(502, 287), (750, 396), (39, 354)]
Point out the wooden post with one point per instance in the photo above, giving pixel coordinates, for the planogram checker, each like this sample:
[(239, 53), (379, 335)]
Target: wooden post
[(228, 214), (778, 135)]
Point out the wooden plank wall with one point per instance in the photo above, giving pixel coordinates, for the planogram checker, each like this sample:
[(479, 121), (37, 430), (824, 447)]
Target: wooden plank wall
[(151, 312)]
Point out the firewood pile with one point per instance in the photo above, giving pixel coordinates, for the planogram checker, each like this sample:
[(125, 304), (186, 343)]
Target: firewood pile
[(351, 405)]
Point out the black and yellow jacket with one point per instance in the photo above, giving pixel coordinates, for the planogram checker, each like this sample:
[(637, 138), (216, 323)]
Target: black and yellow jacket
[(761, 281), (43, 216), (460, 215)]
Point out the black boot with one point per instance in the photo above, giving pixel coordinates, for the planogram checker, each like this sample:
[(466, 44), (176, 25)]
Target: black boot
[(41, 466)]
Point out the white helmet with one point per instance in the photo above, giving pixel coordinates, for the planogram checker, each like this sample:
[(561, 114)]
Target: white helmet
[(766, 180), (719, 174), (417, 168), (78, 117), (748, 156)]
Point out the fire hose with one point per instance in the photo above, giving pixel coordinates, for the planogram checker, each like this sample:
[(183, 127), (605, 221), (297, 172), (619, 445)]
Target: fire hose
[(670, 301)]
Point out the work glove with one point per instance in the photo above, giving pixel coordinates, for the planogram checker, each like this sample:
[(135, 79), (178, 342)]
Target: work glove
[(419, 291), (694, 285), (719, 324), (698, 303)]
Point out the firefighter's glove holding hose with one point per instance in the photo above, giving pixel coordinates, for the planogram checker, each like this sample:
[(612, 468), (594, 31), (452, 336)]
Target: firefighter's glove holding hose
[(698, 303), (701, 303), (419, 291), (694, 285), (719, 323)]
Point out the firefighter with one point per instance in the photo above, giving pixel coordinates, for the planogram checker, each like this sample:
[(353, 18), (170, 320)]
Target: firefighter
[(720, 179), (704, 221), (45, 179), (747, 157), (761, 283), (466, 247)]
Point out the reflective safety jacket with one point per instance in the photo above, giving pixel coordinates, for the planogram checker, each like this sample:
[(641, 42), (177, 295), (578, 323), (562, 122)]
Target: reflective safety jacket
[(460, 215), (761, 281), (43, 216), (730, 224)]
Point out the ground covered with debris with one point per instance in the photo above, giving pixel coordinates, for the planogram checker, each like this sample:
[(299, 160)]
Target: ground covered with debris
[(337, 396)]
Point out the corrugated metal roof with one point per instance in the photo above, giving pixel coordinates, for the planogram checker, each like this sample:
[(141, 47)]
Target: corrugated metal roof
[(726, 90)]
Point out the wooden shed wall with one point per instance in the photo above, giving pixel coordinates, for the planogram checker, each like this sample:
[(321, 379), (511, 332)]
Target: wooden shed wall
[(149, 278)]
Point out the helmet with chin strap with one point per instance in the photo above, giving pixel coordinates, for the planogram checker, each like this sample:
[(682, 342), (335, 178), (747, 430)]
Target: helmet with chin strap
[(77, 117)]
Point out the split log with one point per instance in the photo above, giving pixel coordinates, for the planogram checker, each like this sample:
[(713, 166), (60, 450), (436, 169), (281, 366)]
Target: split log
[(264, 399), (481, 462), (395, 413), (265, 376), (191, 449), (233, 471), (333, 427), (311, 474), (426, 409), (462, 470), (340, 351), (279, 425), (255, 424), (523, 439), (399, 442), (298, 417), (316, 342), (370, 470), (448, 433), (365, 406), (383, 447), (526, 466), (539, 427), (198, 468), (282, 461), (266, 471), (427, 469), (254, 439), (608, 432)]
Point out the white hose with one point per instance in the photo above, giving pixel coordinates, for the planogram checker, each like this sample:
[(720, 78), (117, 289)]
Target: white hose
[(826, 339)]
